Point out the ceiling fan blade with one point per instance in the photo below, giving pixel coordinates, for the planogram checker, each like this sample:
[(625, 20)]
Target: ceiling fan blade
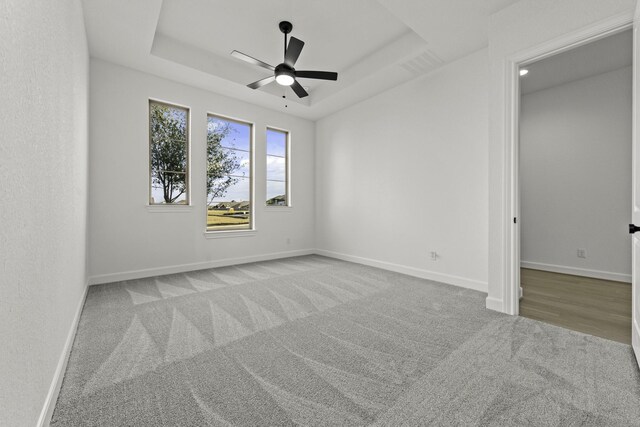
[(252, 60), (322, 75), (293, 51), (260, 83), (299, 90)]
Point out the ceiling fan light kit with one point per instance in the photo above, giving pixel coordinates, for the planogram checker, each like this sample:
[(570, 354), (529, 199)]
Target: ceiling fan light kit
[(284, 74)]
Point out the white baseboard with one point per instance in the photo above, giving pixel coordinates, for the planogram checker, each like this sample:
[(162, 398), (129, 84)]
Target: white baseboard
[(494, 304), (463, 282), (58, 376), (596, 274), (181, 268)]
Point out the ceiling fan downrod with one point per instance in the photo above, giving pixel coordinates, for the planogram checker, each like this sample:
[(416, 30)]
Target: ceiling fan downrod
[(286, 27)]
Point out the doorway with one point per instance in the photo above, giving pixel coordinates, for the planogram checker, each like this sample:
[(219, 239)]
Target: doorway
[(574, 179)]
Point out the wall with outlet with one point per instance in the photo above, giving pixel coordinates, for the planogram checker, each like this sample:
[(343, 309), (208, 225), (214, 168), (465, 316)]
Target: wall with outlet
[(401, 178), (575, 172), (129, 240)]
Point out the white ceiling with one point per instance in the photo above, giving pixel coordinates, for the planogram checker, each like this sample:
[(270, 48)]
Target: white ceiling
[(373, 44), (601, 56)]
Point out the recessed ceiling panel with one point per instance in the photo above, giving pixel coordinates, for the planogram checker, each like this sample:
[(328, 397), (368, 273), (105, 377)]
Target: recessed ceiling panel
[(453, 28), (374, 45), (337, 33)]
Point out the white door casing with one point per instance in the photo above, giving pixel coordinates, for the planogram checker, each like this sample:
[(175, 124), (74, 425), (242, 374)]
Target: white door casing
[(509, 301), (635, 205)]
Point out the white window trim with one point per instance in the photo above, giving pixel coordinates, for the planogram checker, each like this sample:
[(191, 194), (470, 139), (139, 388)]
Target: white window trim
[(223, 234), (187, 172), (246, 232), (282, 208)]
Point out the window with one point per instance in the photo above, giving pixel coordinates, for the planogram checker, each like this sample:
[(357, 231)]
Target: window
[(229, 185), (277, 167), (168, 154)]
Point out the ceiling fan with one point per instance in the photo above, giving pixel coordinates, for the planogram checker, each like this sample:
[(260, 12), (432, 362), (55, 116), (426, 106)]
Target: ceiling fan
[(284, 74)]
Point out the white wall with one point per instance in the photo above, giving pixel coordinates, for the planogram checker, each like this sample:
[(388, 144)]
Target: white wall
[(575, 176), (405, 173), (525, 25), (126, 239), (44, 71)]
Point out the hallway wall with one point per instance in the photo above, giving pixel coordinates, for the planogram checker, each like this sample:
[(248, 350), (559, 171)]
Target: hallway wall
[(575, 176)]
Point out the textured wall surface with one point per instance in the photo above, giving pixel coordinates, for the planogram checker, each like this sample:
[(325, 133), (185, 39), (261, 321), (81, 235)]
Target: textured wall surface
[(43, 183), (410, 166), (575, 174), (125, 237)]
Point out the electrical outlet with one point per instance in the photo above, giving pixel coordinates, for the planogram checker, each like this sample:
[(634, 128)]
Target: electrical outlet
[(582, 253), (434, 255)]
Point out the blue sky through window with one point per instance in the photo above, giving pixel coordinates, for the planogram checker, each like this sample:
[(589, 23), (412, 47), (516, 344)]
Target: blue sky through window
[(237, 143)]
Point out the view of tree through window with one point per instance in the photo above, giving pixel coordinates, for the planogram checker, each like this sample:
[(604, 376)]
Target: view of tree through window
[(168, 152), (228, 174), (277, 165)]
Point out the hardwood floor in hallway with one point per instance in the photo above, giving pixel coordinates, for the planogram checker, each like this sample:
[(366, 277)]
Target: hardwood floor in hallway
[(593, 306)]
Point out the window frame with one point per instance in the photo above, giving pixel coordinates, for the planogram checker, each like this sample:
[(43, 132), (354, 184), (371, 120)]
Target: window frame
[(287, 168), (243, 229), (187, 203)]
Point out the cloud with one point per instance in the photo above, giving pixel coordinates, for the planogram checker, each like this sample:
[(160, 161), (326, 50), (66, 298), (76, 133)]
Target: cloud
[(276, 168)]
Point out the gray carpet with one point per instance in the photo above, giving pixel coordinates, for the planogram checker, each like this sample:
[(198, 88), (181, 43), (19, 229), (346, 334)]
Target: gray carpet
[(316, 341)]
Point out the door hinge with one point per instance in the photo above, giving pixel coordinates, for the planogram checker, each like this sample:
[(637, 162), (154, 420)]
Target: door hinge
[(515, 220)]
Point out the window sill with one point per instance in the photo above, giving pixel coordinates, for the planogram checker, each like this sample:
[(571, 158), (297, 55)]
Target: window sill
[(229, 233), (278, 208), (169, 208)]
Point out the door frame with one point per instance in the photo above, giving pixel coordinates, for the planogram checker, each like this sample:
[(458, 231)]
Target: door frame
[(512, 291)]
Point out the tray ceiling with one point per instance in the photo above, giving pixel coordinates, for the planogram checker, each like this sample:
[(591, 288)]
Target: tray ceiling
[(374, 45)]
